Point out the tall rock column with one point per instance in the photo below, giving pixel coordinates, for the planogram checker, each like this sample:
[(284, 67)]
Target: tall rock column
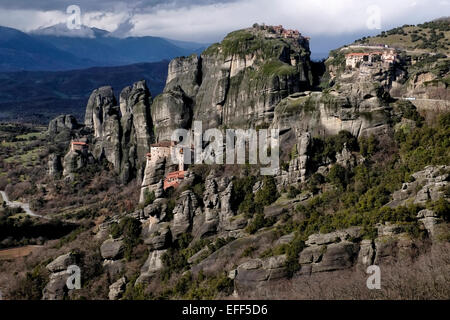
[(137, 129)]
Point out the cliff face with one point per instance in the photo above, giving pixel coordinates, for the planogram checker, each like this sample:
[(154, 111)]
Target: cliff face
[(137, 129), (238, 81)]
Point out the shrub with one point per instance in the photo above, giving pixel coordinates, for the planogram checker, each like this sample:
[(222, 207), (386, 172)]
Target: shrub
[(130, 229), (339, 176), (368, 146), (268, 194), (293, 192), (259, 222), (149, 197)]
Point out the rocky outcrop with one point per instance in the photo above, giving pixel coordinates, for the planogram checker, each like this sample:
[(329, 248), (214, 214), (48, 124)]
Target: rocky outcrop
[(158, 236), (103, 117), (100, 100), (431, 222), (117, 289), (183, 214), (257, 271), (61, 263), (217, 214), (427, 185), (112, 249), (324, 114), (137, 130), (153, 178), (55, 167), (122, 134), (61, 124), (231, 84), (56, 288), (73, 161), (171, 110), (185, 72), (152, 266), (298, 165)]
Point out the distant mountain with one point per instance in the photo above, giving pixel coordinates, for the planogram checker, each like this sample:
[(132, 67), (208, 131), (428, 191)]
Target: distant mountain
[(20, 51), (61, 30), (195, 46), (40, 96), (58, 48)]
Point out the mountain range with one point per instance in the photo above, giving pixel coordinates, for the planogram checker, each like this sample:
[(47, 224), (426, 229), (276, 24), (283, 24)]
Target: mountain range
[(37, 96), (57, 48)]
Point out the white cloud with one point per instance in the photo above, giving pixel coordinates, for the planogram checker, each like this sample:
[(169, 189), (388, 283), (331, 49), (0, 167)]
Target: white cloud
[(311, 17), (210, 22)]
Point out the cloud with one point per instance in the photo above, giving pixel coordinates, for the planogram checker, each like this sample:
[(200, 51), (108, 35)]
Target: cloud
[(124, 29), (210, 20), (89, 5)]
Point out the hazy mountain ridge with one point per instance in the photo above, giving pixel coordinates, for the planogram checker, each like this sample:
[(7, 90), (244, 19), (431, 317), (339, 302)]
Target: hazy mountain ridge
[(31, 96), (57, 49)]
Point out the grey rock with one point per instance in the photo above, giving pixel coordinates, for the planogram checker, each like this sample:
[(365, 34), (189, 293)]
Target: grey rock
[(185, 72), (275, 262), (428, 185), (202, 253), (152, 266), (159, 237), (312, 254), (55, 167), (73, 161), (117, 289), (112, 249), (184, 213), (285, 239), (170, 111), (337, 256), (430, 224), (251, 265), (388, 229), (352, 233), (366, 253), (64, 123), (426, 214), (113, 267), (61, 263), (56, 288)]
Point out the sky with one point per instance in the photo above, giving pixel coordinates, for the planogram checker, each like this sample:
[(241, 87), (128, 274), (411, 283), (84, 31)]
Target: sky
[(329, 23)]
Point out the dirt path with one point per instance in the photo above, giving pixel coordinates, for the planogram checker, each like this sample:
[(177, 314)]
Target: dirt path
[(16, 204)]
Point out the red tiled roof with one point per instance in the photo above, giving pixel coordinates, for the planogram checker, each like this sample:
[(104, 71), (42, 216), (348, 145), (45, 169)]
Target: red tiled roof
[(162, 144), (176, 174), (79, 143)]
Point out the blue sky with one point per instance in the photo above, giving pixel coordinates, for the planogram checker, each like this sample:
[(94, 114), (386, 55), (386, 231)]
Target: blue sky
[(329, 23)]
